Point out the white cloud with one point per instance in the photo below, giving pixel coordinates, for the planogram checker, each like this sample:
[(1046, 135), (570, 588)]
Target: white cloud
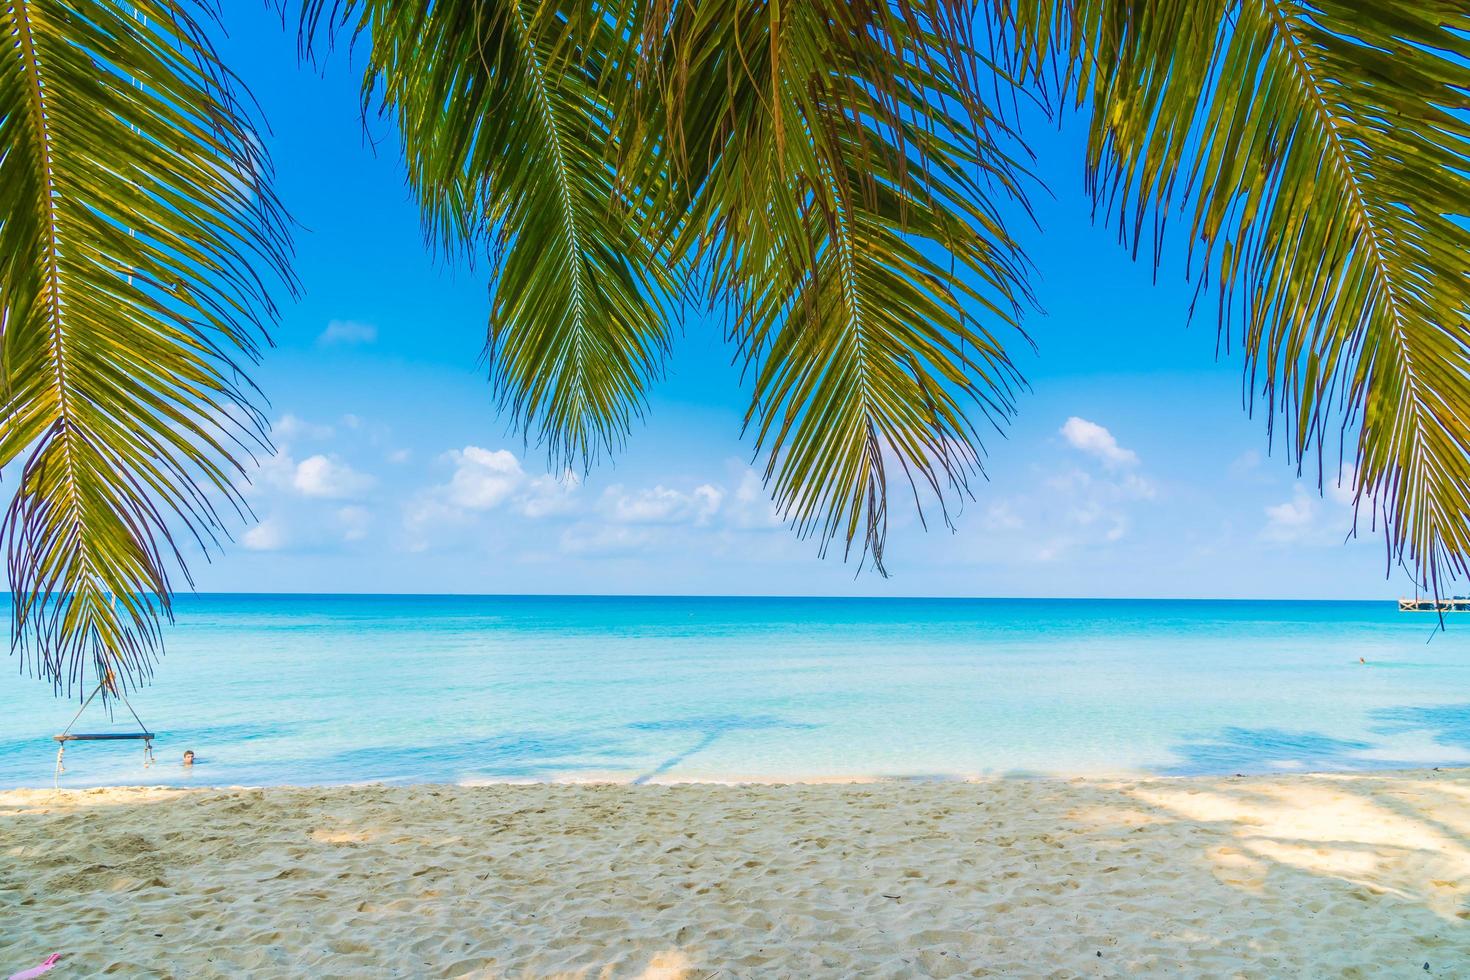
[(1292, 520), (268, 535), (348, 332), (1095, 440), (620, 520), (483, 478), (1309, 518), (399, 456), (330, 478), (548, 495), (662, 505)]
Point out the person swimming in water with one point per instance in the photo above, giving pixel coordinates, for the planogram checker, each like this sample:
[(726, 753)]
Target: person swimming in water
[(188, 757)]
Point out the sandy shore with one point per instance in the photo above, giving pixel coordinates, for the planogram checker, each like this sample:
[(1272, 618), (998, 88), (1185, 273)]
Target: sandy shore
[(1277, 876)]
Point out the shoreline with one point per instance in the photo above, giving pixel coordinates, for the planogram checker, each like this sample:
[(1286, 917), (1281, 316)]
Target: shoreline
[(736, 781), (1344, 874), (613, 779)]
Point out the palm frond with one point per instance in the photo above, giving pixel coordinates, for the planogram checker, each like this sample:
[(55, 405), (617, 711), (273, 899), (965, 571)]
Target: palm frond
[(508, 134), (834, 169), (134, 211), (1320, 152)]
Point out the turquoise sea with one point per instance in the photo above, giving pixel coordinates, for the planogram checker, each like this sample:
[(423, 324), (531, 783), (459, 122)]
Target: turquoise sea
[(331, 689)]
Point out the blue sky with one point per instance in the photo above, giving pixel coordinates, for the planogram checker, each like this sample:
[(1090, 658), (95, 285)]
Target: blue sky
[(1131, 469)]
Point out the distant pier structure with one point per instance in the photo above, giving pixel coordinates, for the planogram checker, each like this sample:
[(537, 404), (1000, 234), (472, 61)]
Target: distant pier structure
[(1459, 603)]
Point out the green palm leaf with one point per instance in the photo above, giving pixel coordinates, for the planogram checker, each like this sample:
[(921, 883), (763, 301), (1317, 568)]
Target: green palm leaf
[(833, 167), (508, 133), (818, 162), (133, 210), (1321, 152)]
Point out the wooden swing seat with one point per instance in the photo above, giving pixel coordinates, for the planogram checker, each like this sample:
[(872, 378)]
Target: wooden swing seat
[(103, 737)]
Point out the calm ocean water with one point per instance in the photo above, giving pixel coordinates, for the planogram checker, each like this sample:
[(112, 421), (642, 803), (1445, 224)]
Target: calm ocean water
[(324, 689)]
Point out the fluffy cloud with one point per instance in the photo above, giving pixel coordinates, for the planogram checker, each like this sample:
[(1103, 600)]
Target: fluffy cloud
[(622, 520), (661, 505), (1095, 440), (312, 501), (483, 478), (1310, 517), (329, 478), (268, 535), (348, 333), (1292, 520)]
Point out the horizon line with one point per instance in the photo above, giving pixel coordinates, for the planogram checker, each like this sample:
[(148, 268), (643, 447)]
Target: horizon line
[(803, 596)]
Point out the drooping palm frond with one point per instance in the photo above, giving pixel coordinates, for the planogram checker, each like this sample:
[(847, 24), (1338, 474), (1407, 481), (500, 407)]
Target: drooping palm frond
[(1320, 152), (507, 131), (830, 166), (833, 169), (133, 209)]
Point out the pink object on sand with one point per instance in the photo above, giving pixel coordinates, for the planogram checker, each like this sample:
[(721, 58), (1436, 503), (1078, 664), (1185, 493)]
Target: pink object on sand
[(36, 971)]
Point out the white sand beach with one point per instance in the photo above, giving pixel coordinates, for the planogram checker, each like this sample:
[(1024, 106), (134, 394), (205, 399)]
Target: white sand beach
[(1273, 876)]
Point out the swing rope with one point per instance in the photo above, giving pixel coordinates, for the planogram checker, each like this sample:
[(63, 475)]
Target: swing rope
[(67, 736)]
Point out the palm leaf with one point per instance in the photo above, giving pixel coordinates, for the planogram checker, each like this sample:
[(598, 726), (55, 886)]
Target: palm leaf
[(819, 163), (1321, 155), (833, 168), (133, 211), (508, 134)]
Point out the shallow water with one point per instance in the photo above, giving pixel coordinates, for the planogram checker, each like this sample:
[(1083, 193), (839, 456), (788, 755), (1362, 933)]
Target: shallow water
[(322, 689)]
